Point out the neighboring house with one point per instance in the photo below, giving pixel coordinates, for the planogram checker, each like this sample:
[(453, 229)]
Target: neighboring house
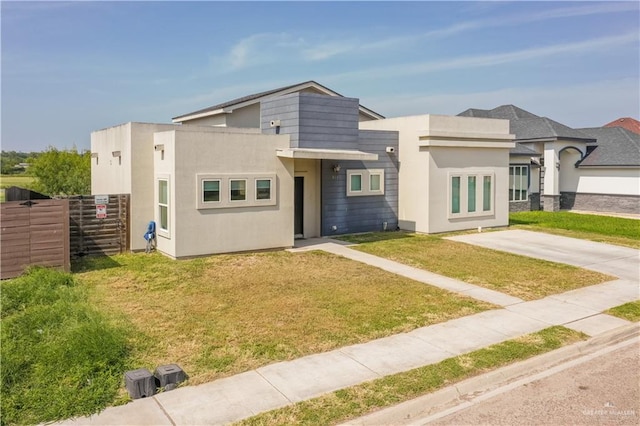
[(631, 124), (307, 162), (557, 167), (608, 178)]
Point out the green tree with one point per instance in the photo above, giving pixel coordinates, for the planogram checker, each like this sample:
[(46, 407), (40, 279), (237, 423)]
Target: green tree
[(62, 172)]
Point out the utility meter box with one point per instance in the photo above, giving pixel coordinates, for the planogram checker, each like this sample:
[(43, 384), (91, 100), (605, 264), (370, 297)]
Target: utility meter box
[(169, 376), (140, 383)]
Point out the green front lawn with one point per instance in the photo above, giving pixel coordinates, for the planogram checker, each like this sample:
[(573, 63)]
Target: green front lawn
[(508, 273), (606, 229), (629, 311)]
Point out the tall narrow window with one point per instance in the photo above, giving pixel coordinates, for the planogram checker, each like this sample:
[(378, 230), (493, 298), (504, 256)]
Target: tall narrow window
[(355, 183), (374, 182), (163, 204), (455, 194), (471, 194), (486, 193), (518, 183), (238, 189), (263, 189), (210, 191)]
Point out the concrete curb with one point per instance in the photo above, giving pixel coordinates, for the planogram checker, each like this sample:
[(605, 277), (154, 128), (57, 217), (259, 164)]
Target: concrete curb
[(462, 392)]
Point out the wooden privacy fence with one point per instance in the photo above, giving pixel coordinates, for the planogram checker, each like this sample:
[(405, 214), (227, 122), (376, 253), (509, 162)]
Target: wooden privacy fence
[(33, 233), (99, 225), (53, 232)]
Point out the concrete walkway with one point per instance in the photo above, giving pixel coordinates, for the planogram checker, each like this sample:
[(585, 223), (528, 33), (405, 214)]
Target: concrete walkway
[(280, 384)]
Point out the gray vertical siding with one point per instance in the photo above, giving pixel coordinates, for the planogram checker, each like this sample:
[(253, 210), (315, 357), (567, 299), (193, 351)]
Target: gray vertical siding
[(368, 213)]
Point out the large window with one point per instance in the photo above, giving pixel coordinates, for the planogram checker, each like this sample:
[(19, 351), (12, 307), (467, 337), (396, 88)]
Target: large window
[(365, 182), (217, 191), (163, 205), (518, 183), (470, 194)]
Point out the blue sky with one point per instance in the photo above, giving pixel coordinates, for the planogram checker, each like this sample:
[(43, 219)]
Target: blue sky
[(69, 68)]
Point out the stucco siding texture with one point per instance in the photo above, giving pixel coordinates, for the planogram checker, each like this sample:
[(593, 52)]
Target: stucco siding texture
[(214, 229), (352, 214)]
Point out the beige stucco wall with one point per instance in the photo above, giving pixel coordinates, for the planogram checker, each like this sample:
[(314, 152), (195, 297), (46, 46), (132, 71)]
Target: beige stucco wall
[(108, 176), (310, 170), (248, 117), (432, 146), (219, 120), (194, 231), (446, 160), (135, 174)]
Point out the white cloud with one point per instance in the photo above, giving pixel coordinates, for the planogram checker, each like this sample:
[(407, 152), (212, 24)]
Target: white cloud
[(259, 49), (476, 61), (584, 105), (266, 48)]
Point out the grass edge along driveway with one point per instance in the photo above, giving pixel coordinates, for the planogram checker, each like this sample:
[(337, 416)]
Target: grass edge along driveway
[(603, 229), (516, 275)]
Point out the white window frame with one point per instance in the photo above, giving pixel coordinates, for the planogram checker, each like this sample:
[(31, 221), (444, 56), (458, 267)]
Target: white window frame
[(365, 182), (255, 186), (512, 186), (251, 190), (202, 191), (350, 190), (164, 232), (464, 194), (246, 190)]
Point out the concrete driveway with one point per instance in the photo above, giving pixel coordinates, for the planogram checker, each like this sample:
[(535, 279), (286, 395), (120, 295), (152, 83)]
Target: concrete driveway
[(622, 262)]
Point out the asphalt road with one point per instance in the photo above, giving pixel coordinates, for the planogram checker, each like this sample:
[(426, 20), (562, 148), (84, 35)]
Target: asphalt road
[(601, 391)]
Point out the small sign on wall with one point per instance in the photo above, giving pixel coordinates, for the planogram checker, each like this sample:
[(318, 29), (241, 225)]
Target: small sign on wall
[(101, 199), (101, 211)]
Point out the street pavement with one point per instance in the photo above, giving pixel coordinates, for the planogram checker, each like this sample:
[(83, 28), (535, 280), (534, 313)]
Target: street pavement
[(279, 384), (601, 390)]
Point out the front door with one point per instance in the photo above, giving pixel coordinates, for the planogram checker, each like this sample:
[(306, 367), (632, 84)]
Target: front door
[(298, 209)]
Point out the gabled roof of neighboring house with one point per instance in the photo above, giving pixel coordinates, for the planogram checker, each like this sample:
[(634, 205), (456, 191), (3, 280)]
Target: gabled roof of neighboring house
[(505, 112), (243, 101), (616, 147), (528, 126), (631, 124), (545, 128)]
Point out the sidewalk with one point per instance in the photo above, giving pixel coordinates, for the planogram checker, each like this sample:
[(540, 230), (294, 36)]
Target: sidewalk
[(280, 384)]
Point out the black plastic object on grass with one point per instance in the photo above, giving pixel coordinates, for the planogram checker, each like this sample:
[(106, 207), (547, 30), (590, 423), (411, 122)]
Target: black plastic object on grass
[(140, 383), (168, 376)]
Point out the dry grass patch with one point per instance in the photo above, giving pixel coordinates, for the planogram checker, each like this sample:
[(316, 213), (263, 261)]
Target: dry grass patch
[(516, 275), (226, 314)]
